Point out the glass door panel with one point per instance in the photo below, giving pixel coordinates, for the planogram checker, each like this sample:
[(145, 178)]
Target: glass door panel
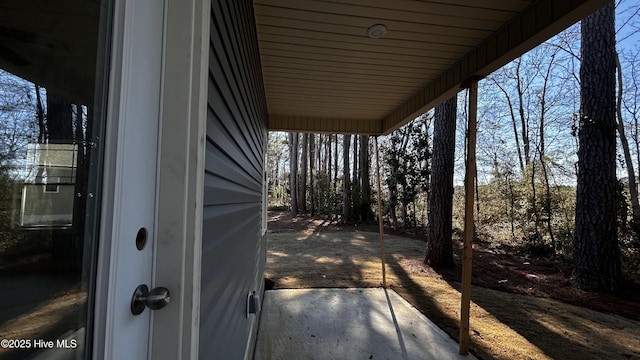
[(51, 120)]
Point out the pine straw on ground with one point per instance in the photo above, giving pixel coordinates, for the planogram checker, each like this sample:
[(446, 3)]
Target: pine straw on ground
[(528, 316)]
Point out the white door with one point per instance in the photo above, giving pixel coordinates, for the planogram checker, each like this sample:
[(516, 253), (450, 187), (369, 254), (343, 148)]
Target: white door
[(128, 227)]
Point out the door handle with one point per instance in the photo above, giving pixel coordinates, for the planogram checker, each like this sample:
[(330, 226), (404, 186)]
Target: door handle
[(155, 299)]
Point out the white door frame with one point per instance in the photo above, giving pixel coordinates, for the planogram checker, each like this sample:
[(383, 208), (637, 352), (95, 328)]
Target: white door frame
[(129, 190), (180, 181), (183, 139)]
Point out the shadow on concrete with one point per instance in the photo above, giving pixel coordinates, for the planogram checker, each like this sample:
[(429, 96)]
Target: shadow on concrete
[(323, 259), (372, 323), (403, 348)]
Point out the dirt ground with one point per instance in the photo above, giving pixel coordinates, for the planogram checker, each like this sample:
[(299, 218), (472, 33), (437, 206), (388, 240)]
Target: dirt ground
[(522, 308)]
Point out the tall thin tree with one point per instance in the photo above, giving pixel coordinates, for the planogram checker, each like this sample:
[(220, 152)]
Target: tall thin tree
[(335, 166), (365, 187), (304, 164), (293, 170), (354, 177), (312, 165), (346, 182), (633, 189)]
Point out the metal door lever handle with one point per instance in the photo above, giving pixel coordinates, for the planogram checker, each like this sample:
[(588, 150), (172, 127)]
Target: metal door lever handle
[(155, 299)]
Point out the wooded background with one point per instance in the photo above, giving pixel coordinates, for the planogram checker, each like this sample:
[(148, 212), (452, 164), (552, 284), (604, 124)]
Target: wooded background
[(571, 103)]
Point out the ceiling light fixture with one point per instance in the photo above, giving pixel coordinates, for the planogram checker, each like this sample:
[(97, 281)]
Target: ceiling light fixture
[(376, 31)]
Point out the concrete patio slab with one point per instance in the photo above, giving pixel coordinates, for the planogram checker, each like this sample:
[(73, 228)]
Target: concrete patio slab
[(371, 323)]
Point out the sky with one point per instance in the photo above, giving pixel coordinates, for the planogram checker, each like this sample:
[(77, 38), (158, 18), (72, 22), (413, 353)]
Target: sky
[(628, 42)]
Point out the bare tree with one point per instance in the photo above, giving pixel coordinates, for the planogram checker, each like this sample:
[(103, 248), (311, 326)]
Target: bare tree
[(542, 154), (513, 122), (524, 121), (633, 189)]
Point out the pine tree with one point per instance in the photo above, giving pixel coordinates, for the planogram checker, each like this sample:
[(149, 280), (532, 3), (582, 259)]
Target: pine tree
[(596, 253), (439, 246)]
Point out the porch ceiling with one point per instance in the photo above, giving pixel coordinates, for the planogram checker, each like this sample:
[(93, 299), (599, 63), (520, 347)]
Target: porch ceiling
[(37, 36), (322, 73)]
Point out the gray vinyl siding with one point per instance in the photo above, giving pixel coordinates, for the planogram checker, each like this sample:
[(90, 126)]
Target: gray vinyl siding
[(233, 246)]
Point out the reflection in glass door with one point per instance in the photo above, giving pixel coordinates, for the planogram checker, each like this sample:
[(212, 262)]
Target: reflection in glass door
[(50, 129)]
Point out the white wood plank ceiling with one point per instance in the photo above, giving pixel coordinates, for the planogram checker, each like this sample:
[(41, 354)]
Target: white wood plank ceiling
[(323, 73)]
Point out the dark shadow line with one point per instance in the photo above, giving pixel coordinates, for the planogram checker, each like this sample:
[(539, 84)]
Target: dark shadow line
[(395, 323)]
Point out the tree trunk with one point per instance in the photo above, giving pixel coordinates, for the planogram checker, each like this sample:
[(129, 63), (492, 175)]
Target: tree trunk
[(439, 229), (319, 154), (541, 152), (312, 163), (355, 183), (293, 169), (346, 183), (596, 252), (477, 190), (329, 159), (514, 125), (354, 177), (636, 131), (523, 120), (404, 213), (392, 184), (320, 171), (633, 190), (335, 166), (365, 188), (534, 205), (512, 212), (548, 206), (42, 131), (394, 216), (303, 178), (59, 120)]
